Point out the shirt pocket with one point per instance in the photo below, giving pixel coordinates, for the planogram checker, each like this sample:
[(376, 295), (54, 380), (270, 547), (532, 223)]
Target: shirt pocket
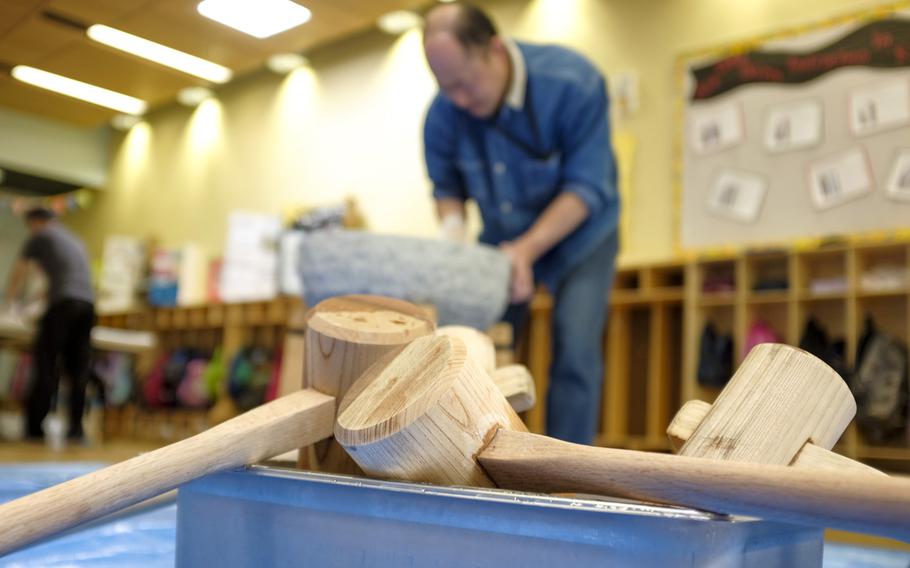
[(474, 176), (540, 179)]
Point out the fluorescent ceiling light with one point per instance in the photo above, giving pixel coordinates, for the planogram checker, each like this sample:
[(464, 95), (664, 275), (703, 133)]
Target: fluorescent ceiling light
[(125, 121), (398, 22), (79, 90), (259, 18), (283, 63), (193, 96), (158, 53)]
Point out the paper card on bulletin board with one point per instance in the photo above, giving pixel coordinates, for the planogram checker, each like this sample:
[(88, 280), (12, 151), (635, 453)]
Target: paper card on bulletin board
[(899, 181), (798, 96), (793, 126), (880, 106), (838, 179), (737, 196), (716, 128)]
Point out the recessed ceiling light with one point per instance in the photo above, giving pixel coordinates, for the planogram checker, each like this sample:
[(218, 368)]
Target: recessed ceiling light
[(125, 121), (262, 18), (192, 96), (158, 53), (79, 90), (398, 22), (284, 63)]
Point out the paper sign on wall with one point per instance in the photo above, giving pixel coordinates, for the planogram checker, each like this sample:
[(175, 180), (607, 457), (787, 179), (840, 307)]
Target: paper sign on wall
[(839, 178), (737, 195), (717, 128), (793, 126), (899, 181), (879, 107), (249, 271)]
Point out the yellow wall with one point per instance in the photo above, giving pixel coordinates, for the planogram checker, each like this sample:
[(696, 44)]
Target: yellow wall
[(352, 124)]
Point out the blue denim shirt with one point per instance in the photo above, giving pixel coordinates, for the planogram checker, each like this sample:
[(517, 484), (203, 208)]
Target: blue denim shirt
[(514, 170)]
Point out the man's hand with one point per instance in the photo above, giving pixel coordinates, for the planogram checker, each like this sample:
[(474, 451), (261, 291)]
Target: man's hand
[(565, 214), (522, 271)]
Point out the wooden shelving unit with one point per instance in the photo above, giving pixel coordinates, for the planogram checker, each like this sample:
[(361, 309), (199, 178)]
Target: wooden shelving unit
[(657, 313), (823, 283), (228, 326), (644, 337)]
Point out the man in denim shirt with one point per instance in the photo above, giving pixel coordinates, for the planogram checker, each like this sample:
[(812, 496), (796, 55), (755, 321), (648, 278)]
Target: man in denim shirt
[(523, 130)]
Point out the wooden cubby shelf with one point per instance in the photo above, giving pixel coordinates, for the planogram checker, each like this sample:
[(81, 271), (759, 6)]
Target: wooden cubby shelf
[(657, 313)]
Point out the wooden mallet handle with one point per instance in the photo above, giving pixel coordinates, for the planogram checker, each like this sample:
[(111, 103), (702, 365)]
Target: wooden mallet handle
[(266, 431), (360, 330), (846, 500)]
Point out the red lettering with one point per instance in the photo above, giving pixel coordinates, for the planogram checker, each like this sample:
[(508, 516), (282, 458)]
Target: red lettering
[(882, 40)]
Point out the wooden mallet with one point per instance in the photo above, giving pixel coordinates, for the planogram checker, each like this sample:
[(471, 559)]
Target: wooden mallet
[(349, 334), (431, 414), (514, 381)]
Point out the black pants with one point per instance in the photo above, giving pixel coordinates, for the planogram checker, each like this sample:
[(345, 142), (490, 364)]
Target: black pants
[(64, 338)]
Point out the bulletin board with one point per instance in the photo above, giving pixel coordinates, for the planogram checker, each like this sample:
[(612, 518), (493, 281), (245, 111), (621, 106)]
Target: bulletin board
[(798, 135)]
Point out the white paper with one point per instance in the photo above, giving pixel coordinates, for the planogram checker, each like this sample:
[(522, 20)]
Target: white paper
[(793, 126), (122, 271), (249, 271), (716, 128), (737, 195), (899, 181), (839, 178), (191, 276), (289, 278), (881, 106)]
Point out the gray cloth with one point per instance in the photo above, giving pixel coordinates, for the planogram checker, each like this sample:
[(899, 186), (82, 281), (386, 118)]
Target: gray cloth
[(468, 284), (63, 259)]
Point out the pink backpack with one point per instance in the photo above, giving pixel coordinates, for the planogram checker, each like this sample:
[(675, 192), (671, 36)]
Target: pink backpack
[(759, 332)]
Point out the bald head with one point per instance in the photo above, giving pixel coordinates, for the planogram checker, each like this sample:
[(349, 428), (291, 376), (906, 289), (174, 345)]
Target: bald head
[(470, 25), (468, 58)]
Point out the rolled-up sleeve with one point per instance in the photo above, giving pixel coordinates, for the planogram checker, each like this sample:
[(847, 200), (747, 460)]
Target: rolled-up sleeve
[(589, 167), (439, 152)]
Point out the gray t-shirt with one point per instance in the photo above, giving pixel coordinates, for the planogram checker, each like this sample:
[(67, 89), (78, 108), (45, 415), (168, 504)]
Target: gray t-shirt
[(63, 259)]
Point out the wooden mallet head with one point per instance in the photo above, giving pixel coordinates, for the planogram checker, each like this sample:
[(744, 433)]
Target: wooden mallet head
[(344, 336), (431, 414), (424, 414)]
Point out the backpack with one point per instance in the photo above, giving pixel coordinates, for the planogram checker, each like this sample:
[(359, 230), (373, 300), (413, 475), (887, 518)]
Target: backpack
[(249, 376), (815, 341), (115, 372), (715, 358), (880, 385), (153, 387), (193, 391), (759, 332), (213, 376), (174, 371)]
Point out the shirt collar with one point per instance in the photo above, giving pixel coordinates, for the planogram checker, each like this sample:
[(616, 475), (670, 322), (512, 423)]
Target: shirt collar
[(515, 96)]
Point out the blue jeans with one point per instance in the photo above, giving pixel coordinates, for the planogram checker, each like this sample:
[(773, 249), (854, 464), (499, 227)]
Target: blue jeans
[(581, 303)]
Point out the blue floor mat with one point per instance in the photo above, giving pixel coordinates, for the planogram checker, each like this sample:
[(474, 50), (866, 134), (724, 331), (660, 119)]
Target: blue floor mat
[(144, 538)]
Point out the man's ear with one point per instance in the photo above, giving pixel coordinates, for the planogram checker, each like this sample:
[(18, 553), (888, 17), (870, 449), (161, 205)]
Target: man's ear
[(496, 47)]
